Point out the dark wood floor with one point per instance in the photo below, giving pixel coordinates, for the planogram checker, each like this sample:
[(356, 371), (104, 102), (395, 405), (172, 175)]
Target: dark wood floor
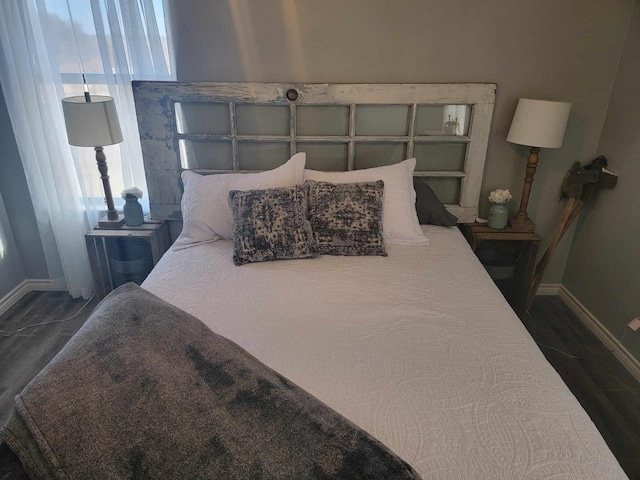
[(605, 389), (25, 353)]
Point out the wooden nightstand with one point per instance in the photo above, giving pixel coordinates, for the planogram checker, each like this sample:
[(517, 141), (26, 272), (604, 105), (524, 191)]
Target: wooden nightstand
[(524, 248), (125, 254)]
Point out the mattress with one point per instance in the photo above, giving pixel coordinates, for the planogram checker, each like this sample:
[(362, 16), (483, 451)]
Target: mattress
[(419, 349)]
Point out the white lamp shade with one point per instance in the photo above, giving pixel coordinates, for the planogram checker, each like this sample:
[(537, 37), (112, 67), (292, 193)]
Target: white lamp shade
[(91, 124), (539, 123)]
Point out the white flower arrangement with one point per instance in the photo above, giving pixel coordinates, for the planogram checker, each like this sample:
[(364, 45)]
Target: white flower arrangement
[(131, 192), (500, 196)]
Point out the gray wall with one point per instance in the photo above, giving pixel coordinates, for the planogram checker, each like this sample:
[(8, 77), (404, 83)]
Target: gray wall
[(11, 271), (566, 51), (17, 202), (603, 271)]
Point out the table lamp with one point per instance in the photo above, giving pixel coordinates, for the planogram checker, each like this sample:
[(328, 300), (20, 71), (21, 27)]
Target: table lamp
[(536, 124), (92, 121)]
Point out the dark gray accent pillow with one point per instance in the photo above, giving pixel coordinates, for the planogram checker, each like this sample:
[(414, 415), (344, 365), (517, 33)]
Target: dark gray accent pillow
[(271, 224), (346, 218), (430, 209)]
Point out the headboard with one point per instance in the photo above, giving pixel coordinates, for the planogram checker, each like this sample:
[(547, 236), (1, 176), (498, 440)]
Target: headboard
[(241, 127)]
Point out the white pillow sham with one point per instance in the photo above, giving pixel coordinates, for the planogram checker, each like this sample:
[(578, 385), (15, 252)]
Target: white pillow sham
[(399, 218), (206, 214)]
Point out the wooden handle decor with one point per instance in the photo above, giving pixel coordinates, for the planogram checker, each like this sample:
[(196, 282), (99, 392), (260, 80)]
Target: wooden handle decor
[(579, 186)]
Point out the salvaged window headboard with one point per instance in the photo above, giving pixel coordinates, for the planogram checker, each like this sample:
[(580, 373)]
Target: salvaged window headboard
[(242, 127)]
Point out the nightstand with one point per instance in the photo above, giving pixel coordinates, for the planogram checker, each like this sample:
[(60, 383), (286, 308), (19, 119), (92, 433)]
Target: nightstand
[(521, 247), (125, 254)]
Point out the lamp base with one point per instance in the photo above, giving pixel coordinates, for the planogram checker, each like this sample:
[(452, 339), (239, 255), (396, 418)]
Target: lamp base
[(106, 223), (518, 224)]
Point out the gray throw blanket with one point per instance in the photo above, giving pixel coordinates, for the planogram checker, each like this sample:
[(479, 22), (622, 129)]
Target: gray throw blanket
[(145, 390)]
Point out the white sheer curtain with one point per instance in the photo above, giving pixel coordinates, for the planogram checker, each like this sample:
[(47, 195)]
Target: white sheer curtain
[(118, 41), (131, 48)]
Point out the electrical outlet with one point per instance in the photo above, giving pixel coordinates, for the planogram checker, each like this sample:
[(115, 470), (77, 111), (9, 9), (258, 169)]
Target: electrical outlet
[(634, 324)]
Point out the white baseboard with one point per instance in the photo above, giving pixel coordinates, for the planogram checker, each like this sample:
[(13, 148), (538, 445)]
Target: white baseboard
[(11, 298), (549, 289), (29, 285), (46, 285), (606, 337)]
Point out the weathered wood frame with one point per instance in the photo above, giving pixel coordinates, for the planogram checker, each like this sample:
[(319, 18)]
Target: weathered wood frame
[(155, 107)]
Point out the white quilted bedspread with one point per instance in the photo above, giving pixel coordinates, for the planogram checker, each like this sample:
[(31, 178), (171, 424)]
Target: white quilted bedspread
[(418, 348)]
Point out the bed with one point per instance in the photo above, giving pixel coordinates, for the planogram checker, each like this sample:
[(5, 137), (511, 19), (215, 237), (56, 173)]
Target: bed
[(418, 348)]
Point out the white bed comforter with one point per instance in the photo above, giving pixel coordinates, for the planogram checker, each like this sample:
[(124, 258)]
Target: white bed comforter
[(419, 349)]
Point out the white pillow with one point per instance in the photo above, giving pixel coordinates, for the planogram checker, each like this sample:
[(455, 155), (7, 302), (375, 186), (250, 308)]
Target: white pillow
[(399, 218), (206, 213)]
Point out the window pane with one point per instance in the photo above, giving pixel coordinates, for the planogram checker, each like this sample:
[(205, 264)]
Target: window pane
[(212, 118), (262, 156), (322, 120), (62, 34), (369, 155), (382, 120), (205, 155), (442, 120), (64, 43), (262, 119), (440, 156), (325, 156)]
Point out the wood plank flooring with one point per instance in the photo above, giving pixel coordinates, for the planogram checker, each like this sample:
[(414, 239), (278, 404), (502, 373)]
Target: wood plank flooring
[(609, 394), (605, 389), (25, 353)]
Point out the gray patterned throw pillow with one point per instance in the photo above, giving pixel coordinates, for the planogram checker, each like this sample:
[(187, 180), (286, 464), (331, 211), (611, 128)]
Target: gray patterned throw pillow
[(271, 224), (347, 217)]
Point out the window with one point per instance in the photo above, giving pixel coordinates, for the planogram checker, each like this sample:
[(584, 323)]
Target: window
[(112, 42)]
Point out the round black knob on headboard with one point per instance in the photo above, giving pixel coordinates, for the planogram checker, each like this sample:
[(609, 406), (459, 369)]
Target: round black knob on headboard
[(292, 94)]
